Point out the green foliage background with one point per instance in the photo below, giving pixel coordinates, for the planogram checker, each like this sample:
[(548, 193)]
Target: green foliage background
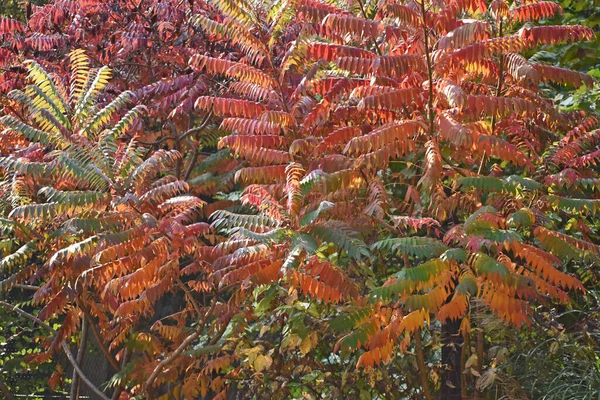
[(581, 56), (16, 8)]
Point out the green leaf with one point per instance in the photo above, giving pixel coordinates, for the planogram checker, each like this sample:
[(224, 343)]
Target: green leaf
[(423, 247), (341, 235), (311, 216), (581, 206), (522, 218), (485, 264), (485, 184)]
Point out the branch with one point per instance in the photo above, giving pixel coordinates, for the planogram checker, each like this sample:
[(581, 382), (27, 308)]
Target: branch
[(25, 287), (119, 388), (421, 364), (429, 69), (5, 392), (454, 167), (190, 167), (64, 345), (364, 14), (167, 361), (80, 354), (466, 346), (482, 162), (189, 296), (109, 357), (387, 226), (500, 74), (183, 136), (480, 353)]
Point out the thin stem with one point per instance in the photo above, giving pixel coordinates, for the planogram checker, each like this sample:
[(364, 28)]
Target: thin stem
[(455, 168), (119, 388), (183, 136), (480, 351), (109, 357), (421, 365), (500, 76), (25, 287), (189, 296), (429, 69), (80, 355), (64, 345), (482, 162), (167, 361), (463, 360), (190, 167), (364, 14)]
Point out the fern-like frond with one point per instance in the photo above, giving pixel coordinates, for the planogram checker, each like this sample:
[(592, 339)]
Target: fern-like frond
[(331, 52), (547, 34), (341, 235), (351, 25), (223, 219), (535, 11), (96, 82), (401, 134), (80, 69), (422, 247), (18, 259), (395, 100), (229, 107), (566, 246), (486, 265), (266, 174), (465, 35)]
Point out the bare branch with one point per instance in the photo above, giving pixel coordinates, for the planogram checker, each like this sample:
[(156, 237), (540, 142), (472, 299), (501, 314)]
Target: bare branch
[(64, 345)]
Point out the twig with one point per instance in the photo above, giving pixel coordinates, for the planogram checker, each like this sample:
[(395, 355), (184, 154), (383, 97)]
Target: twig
[(429, 69), (124, 361), (188, 294), (454, 167), (167, 361), (362, 10), (500, 74), (64, 345), (466, 346), (421, 364), (80, 354), (183, 136), (387, 226), (481, 165), (192, 165), (109, 357), (480, 351), (25, 287)]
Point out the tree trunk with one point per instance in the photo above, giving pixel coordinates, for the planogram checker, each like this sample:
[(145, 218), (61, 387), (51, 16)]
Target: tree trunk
[(422, 367), (451, 354)]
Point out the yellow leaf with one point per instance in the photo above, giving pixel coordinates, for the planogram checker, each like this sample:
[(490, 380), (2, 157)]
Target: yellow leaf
[(291, 342), (308, 343), (264, 330), (262, 362), (471, 361)]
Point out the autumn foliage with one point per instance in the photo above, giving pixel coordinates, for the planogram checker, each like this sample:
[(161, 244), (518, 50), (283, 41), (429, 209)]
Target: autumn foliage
[(308, 188)]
